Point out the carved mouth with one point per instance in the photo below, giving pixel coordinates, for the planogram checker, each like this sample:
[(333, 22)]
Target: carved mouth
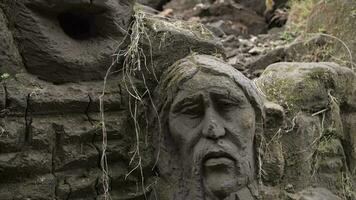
[(219, 158)]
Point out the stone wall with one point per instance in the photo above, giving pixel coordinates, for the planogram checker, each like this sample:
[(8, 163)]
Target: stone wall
[(51, 126)]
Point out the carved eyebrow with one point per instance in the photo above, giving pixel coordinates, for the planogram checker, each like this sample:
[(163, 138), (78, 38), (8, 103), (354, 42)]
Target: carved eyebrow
[(186, 101), (227, 94)]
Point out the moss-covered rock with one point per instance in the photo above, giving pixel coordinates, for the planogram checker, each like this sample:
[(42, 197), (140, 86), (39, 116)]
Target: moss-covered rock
[(317, 140), (307, 86), (164, 41)]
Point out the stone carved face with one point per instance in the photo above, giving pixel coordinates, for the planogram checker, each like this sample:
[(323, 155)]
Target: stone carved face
[(69, 40), (213, 124), (210, 117)]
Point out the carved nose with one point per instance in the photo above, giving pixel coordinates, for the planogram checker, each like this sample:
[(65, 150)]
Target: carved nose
[(213, 129)]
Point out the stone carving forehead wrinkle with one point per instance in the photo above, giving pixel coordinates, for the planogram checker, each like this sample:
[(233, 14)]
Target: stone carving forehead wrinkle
[(186, 101), (217, 93), (182, 71)]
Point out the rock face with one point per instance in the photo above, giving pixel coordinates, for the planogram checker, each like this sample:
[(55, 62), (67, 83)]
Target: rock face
[(167, 40), (315, 143), (50, 125), (53, 124), (228, 17), (71, 40)]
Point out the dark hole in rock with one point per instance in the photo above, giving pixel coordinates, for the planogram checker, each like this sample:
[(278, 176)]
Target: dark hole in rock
[(79, 26)]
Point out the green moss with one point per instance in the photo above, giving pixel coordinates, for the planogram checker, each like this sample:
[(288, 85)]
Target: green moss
[(330, 146), (291, 94)]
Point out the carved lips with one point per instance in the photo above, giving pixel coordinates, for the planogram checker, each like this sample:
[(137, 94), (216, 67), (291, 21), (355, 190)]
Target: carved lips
[(218, 159)]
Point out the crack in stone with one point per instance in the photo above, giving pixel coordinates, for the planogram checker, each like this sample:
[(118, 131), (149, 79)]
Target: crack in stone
[(87, 110), (4, 103), (59, 133), (28, 121)]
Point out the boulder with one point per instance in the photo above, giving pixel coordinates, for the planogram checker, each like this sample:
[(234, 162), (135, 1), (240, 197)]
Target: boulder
[(164, 41), (307, 86), (317, 134)]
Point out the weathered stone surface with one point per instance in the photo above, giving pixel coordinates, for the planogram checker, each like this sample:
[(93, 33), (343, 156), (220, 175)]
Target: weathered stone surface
[(210, 116), (42, 187), (350, 132), (258, 6), (311, 47), (170, 40), (25, 93), (315, 194), (55, 130), (236, 17), (314, 143), (51, 135), (10, 60), (336, 18), (69, 41), (307, 86)]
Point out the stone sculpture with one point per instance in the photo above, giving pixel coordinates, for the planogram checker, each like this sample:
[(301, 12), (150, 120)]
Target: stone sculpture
[(74, 38), (211, 115), (53, 56), (212, 118)]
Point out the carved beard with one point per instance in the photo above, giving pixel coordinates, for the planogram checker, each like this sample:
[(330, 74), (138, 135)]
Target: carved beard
[(182, 174), (220, 170)]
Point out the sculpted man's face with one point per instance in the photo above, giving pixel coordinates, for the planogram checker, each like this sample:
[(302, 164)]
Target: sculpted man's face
[(213, 124)]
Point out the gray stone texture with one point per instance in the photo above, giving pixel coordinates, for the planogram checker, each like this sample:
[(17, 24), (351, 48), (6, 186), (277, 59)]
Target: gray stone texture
[(50, 123)]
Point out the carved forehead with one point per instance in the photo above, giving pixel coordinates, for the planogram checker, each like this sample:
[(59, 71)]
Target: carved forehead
[(206, 85), (187, 72), (202, 81)]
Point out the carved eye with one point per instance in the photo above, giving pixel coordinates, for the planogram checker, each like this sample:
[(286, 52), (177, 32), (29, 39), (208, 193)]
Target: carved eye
[(226, 104), (193, 110)]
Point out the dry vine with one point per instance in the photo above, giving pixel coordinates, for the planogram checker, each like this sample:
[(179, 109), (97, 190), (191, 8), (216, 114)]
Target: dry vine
[(134, 65)]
